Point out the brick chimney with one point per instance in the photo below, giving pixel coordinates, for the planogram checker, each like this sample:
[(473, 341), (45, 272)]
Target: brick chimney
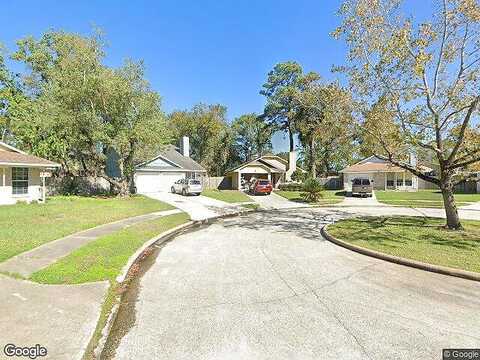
[(185, 146)]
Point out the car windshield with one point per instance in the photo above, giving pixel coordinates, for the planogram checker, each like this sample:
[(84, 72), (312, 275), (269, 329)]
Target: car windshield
[(357, 182), (264, 182), (194, 182), (365, 182)]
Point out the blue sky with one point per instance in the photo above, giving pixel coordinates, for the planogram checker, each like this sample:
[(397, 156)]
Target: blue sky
[(211, 51)]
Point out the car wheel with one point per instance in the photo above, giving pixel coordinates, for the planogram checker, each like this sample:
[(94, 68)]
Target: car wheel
[(184, 193), (172, 190)]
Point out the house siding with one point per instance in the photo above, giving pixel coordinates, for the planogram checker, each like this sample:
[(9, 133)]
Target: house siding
[(34, 187)]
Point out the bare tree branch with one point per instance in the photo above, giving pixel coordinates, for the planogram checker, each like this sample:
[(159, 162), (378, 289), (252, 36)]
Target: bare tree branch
[(461, 136)]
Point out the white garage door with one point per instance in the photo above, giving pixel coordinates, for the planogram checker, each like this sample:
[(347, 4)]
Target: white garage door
[(154, 182)]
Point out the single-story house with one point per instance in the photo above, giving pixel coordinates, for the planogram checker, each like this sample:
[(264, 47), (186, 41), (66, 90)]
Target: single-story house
[(384, 175), (21, 175), (270, 167), (170, 165)]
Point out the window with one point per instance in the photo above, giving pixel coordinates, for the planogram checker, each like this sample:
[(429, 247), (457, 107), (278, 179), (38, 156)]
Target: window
[(19, 181), (194, 182), (365, 182), (390, 183), (399, 182)]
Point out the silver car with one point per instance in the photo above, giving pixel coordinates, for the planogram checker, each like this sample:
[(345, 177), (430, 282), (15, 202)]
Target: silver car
[(187, 187), (362, 187)]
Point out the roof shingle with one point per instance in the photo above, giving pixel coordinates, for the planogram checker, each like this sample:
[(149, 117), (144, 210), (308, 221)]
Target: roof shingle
[(15, 158), (171, 154)]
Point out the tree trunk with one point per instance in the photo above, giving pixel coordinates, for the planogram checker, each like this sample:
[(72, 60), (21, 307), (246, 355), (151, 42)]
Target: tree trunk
[(453, 221), (313, 165), (124, 188)]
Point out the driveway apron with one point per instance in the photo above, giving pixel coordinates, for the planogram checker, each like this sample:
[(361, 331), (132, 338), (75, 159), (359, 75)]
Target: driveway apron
[(275, 202), (198, 207)]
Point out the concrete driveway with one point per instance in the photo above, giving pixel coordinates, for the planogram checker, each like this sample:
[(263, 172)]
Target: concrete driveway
[(268, 286), (198, 207), (274, 202)]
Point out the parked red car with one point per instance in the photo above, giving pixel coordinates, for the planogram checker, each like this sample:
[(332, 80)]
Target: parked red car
[(261, 186)]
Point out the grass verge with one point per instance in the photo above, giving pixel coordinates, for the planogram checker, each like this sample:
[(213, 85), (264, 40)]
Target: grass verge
[(422, 198), (26, 226), (229, 196), (330, 197), (104, 258), (421, 239)]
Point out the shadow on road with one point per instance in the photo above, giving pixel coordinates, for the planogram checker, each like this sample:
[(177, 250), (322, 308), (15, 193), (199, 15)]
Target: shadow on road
[(305, 223)]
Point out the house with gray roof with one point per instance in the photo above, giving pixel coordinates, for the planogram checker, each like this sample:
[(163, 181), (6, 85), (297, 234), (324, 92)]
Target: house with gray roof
[(170, 165)]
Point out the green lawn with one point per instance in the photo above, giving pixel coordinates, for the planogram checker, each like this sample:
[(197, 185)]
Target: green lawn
[(229, 196), (329, 196), (26, 226), (104, 258), (422, 239), (422, 198)]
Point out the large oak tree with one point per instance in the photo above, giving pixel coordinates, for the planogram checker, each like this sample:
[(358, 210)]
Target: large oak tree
[(85, 113)]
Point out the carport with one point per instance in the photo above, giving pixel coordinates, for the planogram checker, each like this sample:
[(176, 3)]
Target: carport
[(268, 167)]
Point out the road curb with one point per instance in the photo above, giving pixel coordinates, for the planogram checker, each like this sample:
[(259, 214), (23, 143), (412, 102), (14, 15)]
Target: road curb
[(402, 261), (122, 279)]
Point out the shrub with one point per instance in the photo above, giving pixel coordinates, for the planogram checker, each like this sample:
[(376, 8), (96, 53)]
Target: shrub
[(299, 176), (312, 190), (291, 187)]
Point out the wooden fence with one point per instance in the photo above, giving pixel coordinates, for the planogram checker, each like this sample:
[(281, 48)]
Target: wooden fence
[(217, 182)]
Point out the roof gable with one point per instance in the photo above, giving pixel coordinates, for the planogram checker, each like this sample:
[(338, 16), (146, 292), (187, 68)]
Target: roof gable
[(274, 163), (170, 159), (266, 160), (372, 159), (162, 162)]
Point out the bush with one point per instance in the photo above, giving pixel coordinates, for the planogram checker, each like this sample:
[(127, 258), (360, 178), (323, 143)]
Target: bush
[(312, 190), (299, 176), (291, 187)]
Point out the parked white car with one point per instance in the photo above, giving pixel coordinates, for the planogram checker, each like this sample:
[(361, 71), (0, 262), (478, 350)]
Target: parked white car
[(187, 187)]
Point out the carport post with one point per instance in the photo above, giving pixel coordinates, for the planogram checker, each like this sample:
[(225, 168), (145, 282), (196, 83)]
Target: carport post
[(239, 180)]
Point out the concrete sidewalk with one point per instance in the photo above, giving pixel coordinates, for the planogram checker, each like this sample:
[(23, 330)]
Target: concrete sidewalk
[(474, 206), (60, 318), (31, 261)]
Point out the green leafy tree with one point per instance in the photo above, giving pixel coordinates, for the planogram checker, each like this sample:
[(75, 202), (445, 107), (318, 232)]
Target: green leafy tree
[(283, 84), (325, 125), (85, 113), (253, 136), (428, 74), (211, 140), (13, 103)]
